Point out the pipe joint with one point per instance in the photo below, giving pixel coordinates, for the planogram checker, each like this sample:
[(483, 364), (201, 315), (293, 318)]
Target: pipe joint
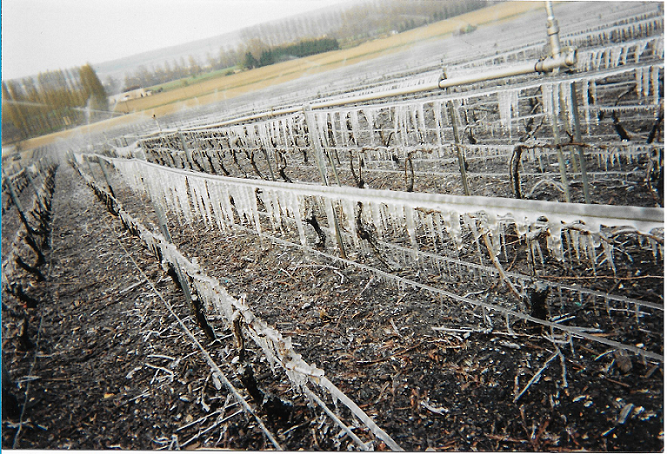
[(567, 59), (552, 27)]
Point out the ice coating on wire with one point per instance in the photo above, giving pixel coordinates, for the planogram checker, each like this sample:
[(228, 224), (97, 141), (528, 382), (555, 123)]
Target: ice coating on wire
[(407, 212), (278, 349)]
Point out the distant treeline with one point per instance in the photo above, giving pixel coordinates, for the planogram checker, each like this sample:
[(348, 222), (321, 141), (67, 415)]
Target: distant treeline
[(301, 49), (52, 101), (265, 44), (167, 72)]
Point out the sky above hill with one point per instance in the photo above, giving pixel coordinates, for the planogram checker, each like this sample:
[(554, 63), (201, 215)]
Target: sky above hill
[(42, 35)]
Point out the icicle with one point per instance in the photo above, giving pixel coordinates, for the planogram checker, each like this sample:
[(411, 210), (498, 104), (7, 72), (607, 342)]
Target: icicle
[(273, 209), (183, 199), (413, 126), (431, 230), (536, 250), (548, 106), (356, 131), (342, 127), (566, 99), (585, 104), (216, 206), (554, 240), (608, 58), (471, 223), (349, 211), (396, 217), (439, 227), (200, 193), (410, 227), (646, 79), (659, 48), (378, 220), (453, 228), (296, 207), (654, 249), (608, 249), (370, 119), (655, 83), (504, 107), (575, 242), (590, 250), (639, 50), (421, 122), (437, 114), (402, 118), (597, 60)]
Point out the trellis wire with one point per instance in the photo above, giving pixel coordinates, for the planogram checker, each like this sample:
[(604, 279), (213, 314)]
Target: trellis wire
[(643, 218), (277, 349)]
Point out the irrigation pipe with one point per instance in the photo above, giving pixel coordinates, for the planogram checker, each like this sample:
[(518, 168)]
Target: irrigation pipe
[(564, 60)]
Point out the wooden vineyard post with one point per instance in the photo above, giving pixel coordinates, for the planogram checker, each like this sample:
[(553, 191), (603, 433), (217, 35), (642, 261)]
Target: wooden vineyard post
[(321, 165), (186, 149), (194, 303), (102, 164), (559, 149), (90, 169), (319, 152), (37, 194), (268, 161), (457, 145), (19, 207), (162, 220), (577, 138)]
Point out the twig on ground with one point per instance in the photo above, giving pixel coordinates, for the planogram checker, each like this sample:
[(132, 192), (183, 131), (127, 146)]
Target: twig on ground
[(536, 377), (393, 325), (366, 286), (211, 427)]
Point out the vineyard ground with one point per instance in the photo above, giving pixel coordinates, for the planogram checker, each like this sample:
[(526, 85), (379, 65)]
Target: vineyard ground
[(112, 370), (104, 363), (99, 335)]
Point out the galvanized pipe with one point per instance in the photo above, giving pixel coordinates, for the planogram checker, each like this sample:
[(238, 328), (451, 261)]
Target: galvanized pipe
[(552, 31), (565, 60)]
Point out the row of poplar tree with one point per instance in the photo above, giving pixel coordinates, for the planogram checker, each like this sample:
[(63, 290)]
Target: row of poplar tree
[(303, 48), (52, 101)]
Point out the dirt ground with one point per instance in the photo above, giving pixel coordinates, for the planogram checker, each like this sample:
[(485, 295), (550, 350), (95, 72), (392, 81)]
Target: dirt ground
[(107, 366)]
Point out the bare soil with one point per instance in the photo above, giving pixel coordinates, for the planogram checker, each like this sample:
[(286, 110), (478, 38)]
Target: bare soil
[(110, 368)]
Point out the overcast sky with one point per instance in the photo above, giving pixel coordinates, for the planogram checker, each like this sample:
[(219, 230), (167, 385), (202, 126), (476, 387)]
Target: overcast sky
[(41, 35)]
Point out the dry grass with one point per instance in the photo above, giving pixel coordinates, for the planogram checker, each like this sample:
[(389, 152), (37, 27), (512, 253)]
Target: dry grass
[(225, 87)]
